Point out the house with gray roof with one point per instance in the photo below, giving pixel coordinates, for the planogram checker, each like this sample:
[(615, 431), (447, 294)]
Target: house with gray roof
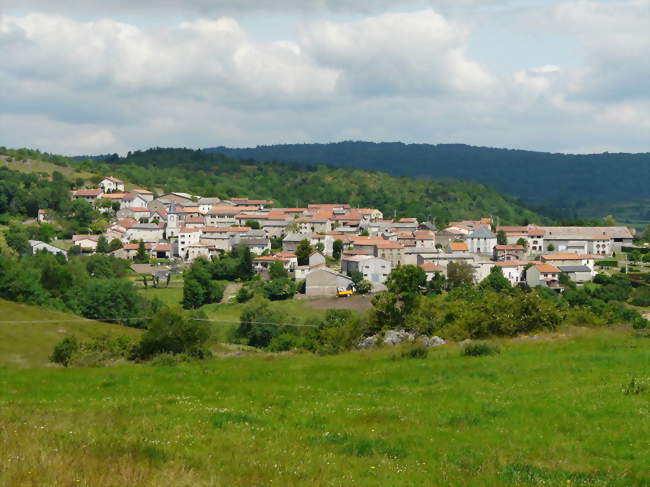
[(481, 241)]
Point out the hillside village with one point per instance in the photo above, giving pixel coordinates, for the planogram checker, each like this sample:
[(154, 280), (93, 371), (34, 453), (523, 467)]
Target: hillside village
[(179, 228)]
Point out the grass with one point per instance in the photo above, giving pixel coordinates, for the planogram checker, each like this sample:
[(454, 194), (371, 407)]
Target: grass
[(30, 344), (543, 412), (32, 165), (171, 296)]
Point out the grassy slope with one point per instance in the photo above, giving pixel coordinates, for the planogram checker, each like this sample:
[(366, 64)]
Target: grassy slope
[(32, 165), (30, 344), (540, 413)]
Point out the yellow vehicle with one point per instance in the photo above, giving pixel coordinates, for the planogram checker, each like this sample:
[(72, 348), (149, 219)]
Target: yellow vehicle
[(344, 293)]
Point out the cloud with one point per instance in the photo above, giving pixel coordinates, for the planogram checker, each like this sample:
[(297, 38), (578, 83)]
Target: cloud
[(102, 86), (395, 54), (224, 7)]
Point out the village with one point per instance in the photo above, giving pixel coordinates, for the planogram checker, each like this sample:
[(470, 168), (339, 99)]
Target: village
[(179, 228)]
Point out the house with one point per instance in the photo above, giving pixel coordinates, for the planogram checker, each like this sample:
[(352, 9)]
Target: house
[(509, 252), (292, 239), (374, 269), (38, 246), (111, 184), (545, 275), (287, 259), (205, 204), (391, 251), (87, 194), (136, 212), (316, 259), (147, 232), (481, 241), (513, 270), (186, 238), (86, 242), (424, 238), (169, 198), (326, 282), (457, 247), (614, 238), (256, 245), (159, 250), (445, 237), (43, 216), (144, 194), (568, 259), (431, 270), (577, 273)]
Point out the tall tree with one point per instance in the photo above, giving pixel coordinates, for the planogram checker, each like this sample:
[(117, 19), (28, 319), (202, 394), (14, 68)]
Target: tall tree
[(303, 251), (141, 257)]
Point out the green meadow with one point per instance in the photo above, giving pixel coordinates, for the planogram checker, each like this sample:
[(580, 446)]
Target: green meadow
[(562, 409)]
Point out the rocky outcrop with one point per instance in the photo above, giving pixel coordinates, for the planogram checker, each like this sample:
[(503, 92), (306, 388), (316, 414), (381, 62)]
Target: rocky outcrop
[(396, 337)]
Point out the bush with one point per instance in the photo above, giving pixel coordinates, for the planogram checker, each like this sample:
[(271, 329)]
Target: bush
[(64, 350), (284, 342), (169, 359), (418, 351), (478, 349), (607, 263), (244, 294), (172, 331), (641, 297)]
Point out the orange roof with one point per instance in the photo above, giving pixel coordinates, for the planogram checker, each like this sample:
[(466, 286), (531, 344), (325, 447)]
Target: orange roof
[(189, 230), (388, 244), (114, 196), (509, 247), (458, 246), (431, 267), (423, 235), (114, 179), (138, 208), (565, 256), (87, 192), (547, 268), (511, 263), (226, 229), (141, 191)]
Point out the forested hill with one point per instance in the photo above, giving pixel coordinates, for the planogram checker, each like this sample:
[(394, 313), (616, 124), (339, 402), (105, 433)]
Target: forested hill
[(294, 184), (540, 178)]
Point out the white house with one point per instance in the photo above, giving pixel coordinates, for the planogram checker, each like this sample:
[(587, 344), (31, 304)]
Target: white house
[(186, 238), (111, 184), (147, 232), (38, 246)]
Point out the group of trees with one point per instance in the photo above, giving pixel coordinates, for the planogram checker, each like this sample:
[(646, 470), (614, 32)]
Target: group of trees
[(93, 286)]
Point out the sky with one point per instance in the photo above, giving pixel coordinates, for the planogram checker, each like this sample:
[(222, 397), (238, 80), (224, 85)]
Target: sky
[(104, 76)]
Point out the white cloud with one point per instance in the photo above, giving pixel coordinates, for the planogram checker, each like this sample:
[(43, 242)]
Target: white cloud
[(98, 86), (397, 54)]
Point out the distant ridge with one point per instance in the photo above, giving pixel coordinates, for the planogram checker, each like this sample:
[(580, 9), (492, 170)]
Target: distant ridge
[(587, 184)]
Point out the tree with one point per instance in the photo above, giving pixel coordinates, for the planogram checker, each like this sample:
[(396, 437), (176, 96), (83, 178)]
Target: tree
[(17, 238), (277, 271), (303, 251), (436, 285), (363, 286), (115, 244), (356, 277), (102, 245), (320, 247), (245, 266), (141, 257), (193, 294), (107, 299), (254, 224), (459, 274), (609, 221), (173, 331), (364, 233), (635, 256), (407, 282), (337, 249), (279, 289), (502, 239), (244, 294), (64, 350), (259, 323), (550, 247), (496, 281), (523, 242)]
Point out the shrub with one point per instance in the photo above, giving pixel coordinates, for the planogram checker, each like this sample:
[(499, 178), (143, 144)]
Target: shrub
[(64, 350), (172, 331), (244, 294), (607, 263), (169, 359), (284, 342), (418, 351), (641, 296), (479, 348)]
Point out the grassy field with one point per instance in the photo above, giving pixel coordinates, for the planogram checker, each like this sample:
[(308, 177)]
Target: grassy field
[(30, 344), (551, 411), (32, 165)]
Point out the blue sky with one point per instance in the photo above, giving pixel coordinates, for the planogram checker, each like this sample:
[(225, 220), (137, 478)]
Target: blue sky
[(84, 76)]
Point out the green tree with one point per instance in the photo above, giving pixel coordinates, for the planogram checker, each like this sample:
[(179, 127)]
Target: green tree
[(550, 247), (115, 244), (337, 249), (277, 271), (279, 289), (523, 242), (193, 294), (64, 350), (173, 331), (502, 238), (496, 281), (259, 323), (407, 282), (17, 238), (102, 245), (363, 286), (254, 224), (459, 274), (437, 284), (303, 251), (142, 256)]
